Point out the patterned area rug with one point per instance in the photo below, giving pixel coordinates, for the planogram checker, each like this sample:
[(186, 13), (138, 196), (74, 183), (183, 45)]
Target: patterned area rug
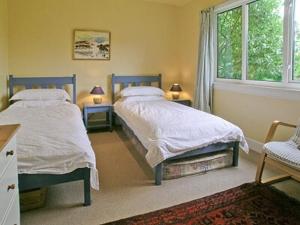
[(248, 204)]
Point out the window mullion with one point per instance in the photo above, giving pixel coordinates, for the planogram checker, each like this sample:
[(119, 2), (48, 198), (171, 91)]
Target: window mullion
[(291, 38), (244, 41), (287, 42)]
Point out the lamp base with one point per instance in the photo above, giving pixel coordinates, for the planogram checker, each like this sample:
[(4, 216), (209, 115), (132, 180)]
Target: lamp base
[(97, 100), (175, 95)]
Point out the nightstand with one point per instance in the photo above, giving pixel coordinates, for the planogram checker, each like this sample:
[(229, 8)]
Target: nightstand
[(97, 108), (186, 102)]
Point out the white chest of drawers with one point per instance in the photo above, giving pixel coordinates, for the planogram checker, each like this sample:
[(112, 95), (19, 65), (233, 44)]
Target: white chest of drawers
[(9, 193)]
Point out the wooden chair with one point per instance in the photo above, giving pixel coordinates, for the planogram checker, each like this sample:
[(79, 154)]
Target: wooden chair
[(282, 155)]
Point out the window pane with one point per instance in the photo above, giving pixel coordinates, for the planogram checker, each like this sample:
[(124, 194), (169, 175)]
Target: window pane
[(230, 44), (265, 40), (296, 73)]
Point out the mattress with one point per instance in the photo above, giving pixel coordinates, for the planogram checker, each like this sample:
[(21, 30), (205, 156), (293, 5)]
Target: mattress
[(52, 138), (167, 129)]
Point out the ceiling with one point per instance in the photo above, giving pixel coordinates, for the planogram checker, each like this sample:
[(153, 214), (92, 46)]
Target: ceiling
[(171, 2)]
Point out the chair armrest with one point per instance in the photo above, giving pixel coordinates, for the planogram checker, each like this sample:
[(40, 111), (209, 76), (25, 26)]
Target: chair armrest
[(273, 129)]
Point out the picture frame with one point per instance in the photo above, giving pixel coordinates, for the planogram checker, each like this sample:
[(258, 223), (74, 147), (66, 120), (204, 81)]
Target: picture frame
[(91, 45)]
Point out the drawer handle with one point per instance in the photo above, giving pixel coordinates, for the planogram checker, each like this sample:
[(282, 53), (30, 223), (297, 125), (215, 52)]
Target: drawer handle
[(9, 153), (11, 187)]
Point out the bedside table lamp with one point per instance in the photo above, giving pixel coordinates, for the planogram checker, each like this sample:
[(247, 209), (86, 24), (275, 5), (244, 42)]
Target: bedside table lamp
[(175, 89), (97, 91)]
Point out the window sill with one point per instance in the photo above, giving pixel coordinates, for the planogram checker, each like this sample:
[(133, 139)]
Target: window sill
[(285, 93)]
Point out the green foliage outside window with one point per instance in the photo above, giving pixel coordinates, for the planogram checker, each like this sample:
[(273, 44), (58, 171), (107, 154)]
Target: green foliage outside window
[(230, 44), (265, 40)]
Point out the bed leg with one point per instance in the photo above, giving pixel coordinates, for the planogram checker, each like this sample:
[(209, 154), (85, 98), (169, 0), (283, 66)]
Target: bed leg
[(235, 157), (87, 187), (158, 174)]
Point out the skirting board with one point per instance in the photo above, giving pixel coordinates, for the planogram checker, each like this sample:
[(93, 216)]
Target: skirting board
[(254, 145)]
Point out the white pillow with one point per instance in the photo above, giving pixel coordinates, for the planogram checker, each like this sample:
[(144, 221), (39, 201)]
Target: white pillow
[(41, 94), (142, 98), (144, 90)]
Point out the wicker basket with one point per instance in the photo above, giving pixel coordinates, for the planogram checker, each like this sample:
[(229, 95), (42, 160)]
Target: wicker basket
[(33, 199), (197, 165)]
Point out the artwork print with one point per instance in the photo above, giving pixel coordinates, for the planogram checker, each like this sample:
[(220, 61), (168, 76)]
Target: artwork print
[(90, 44)]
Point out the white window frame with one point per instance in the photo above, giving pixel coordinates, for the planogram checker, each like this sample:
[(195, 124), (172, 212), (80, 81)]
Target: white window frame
[(287, 73)]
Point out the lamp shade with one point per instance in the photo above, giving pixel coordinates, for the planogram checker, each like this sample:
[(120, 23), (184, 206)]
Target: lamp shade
[(176, 87), (97, 90)]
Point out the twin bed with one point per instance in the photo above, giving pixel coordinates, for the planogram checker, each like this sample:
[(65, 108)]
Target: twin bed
[(53, 146), (169, 131)]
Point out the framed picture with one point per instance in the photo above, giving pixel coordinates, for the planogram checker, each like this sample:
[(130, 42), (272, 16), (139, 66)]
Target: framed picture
[(91, 44)]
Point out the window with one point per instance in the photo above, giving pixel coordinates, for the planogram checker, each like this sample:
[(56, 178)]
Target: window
[(230, 44), (259, 41), (265, 40)]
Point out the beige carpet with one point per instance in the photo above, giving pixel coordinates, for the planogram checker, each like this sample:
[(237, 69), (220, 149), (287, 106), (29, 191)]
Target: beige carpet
[(127, 187)]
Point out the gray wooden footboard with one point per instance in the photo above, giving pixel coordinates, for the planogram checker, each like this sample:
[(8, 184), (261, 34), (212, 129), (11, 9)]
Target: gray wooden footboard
[(33, 181), (218, 147)]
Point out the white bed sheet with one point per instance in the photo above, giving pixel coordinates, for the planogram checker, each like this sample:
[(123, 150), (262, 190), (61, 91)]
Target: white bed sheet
[(167, 129), (52, 138)]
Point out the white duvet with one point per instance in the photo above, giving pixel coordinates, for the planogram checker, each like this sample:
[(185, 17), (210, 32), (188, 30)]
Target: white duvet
[(52, 138), (167, 129)]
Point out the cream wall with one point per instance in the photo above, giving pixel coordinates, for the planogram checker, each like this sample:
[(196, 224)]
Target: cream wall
[(252, 113), (146, 38), (189, 26), (143, 39), (3, 51)]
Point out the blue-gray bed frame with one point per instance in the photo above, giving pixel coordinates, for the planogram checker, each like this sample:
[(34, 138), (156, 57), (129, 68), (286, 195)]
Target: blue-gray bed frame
[(125, 81), (33, 181)]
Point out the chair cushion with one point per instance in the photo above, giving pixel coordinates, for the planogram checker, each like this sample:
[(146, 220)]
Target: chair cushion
[(296, 137), (287, 152)]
